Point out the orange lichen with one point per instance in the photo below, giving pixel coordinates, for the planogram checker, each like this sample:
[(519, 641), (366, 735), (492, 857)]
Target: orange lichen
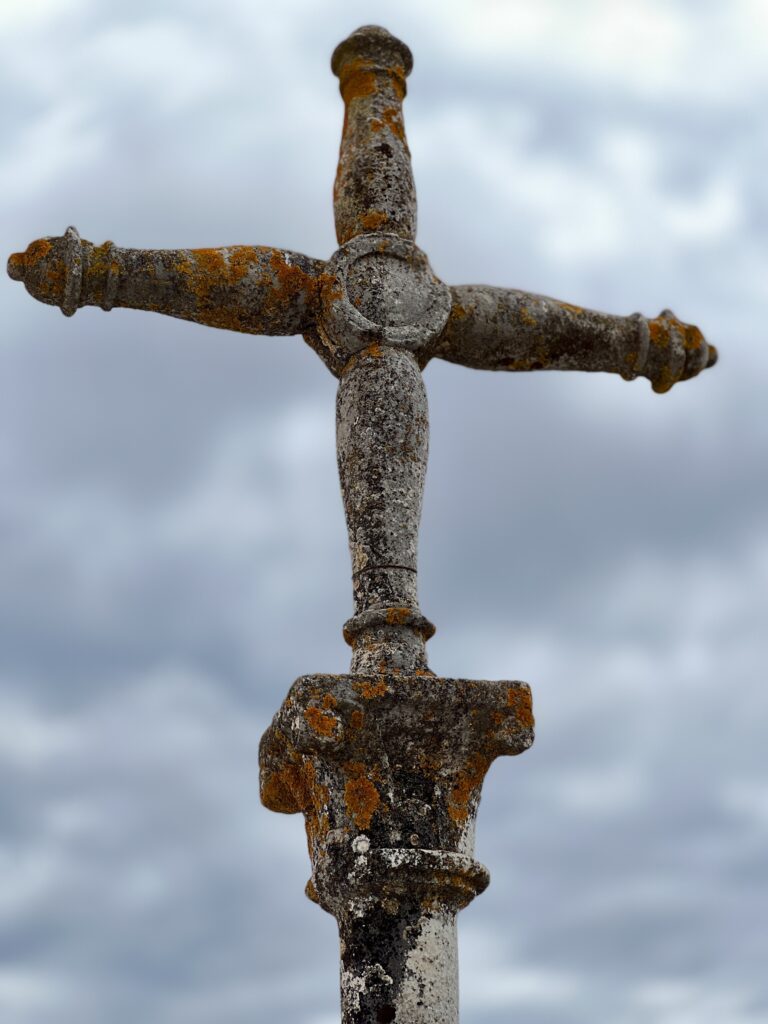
[(330, 286), (466, 785), (571, 308), (288, 276), (49, 275), (393, 119), (212, 265), (316, 827), (693, 339), (17, 266), (519, 698), (374, 220), (359, 770), (319, 795), (659, 333), (211, 277), (356, 719), (370, 690), (359, 78), (458, 885), (398, 616), (527, 317), (316, 819), (36, 251), (286, 791), (321, 722), (397, 78), (329, 701), (661, 329), (100, 266), (240, 259), (358, 81), (664, 381), (362, 801)]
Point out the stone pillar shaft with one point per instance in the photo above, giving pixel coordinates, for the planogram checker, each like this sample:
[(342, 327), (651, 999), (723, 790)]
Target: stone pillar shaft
[(399, 963)]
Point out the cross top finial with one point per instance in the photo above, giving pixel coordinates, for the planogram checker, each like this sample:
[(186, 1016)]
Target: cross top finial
[(371, 46)]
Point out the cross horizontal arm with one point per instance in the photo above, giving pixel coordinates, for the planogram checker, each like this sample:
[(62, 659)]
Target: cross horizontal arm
[(254, 289), (503, 329)]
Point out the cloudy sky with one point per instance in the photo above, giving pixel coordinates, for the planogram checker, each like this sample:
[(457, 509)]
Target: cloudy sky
[(170, 505)]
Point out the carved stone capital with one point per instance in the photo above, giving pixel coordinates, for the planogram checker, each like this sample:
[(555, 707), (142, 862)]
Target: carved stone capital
[(387, 770)]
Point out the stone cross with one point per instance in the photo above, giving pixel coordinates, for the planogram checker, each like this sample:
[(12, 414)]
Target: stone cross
[(386, 763)]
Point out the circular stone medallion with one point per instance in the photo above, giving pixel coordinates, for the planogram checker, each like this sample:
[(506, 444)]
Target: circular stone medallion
[(380, 288)]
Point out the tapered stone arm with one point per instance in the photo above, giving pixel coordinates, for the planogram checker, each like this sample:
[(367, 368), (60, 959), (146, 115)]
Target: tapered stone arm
[(503, 329), (255, 289), (374, 188)]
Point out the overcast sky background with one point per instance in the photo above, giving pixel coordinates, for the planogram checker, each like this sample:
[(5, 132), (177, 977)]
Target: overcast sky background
[(173, 545)]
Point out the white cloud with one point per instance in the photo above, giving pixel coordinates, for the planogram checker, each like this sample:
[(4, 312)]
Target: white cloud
[(30, 738), (161, 62), (680, 1001), (21, 15), (490, 983), (24, 994), (59, 142)]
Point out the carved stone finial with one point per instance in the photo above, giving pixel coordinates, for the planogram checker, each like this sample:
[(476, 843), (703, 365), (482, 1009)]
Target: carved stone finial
[(371, 46), (52, 270)]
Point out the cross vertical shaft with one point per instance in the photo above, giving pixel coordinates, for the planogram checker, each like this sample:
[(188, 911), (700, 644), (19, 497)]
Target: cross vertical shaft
[(382, 443), (381, 410)]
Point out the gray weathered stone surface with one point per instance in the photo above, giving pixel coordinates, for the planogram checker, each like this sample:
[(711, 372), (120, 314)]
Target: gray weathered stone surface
[(382, 442), (387, 763), (374, 189)]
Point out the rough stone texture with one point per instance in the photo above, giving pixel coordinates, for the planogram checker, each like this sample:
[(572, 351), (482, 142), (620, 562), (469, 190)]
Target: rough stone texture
[(380, 288), (382, 437), (386, 764), (387, 770), (502, 329), (249, 288), (374, 189)]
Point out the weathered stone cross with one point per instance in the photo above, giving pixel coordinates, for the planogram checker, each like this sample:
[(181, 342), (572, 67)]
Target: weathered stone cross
[(386, 763)]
